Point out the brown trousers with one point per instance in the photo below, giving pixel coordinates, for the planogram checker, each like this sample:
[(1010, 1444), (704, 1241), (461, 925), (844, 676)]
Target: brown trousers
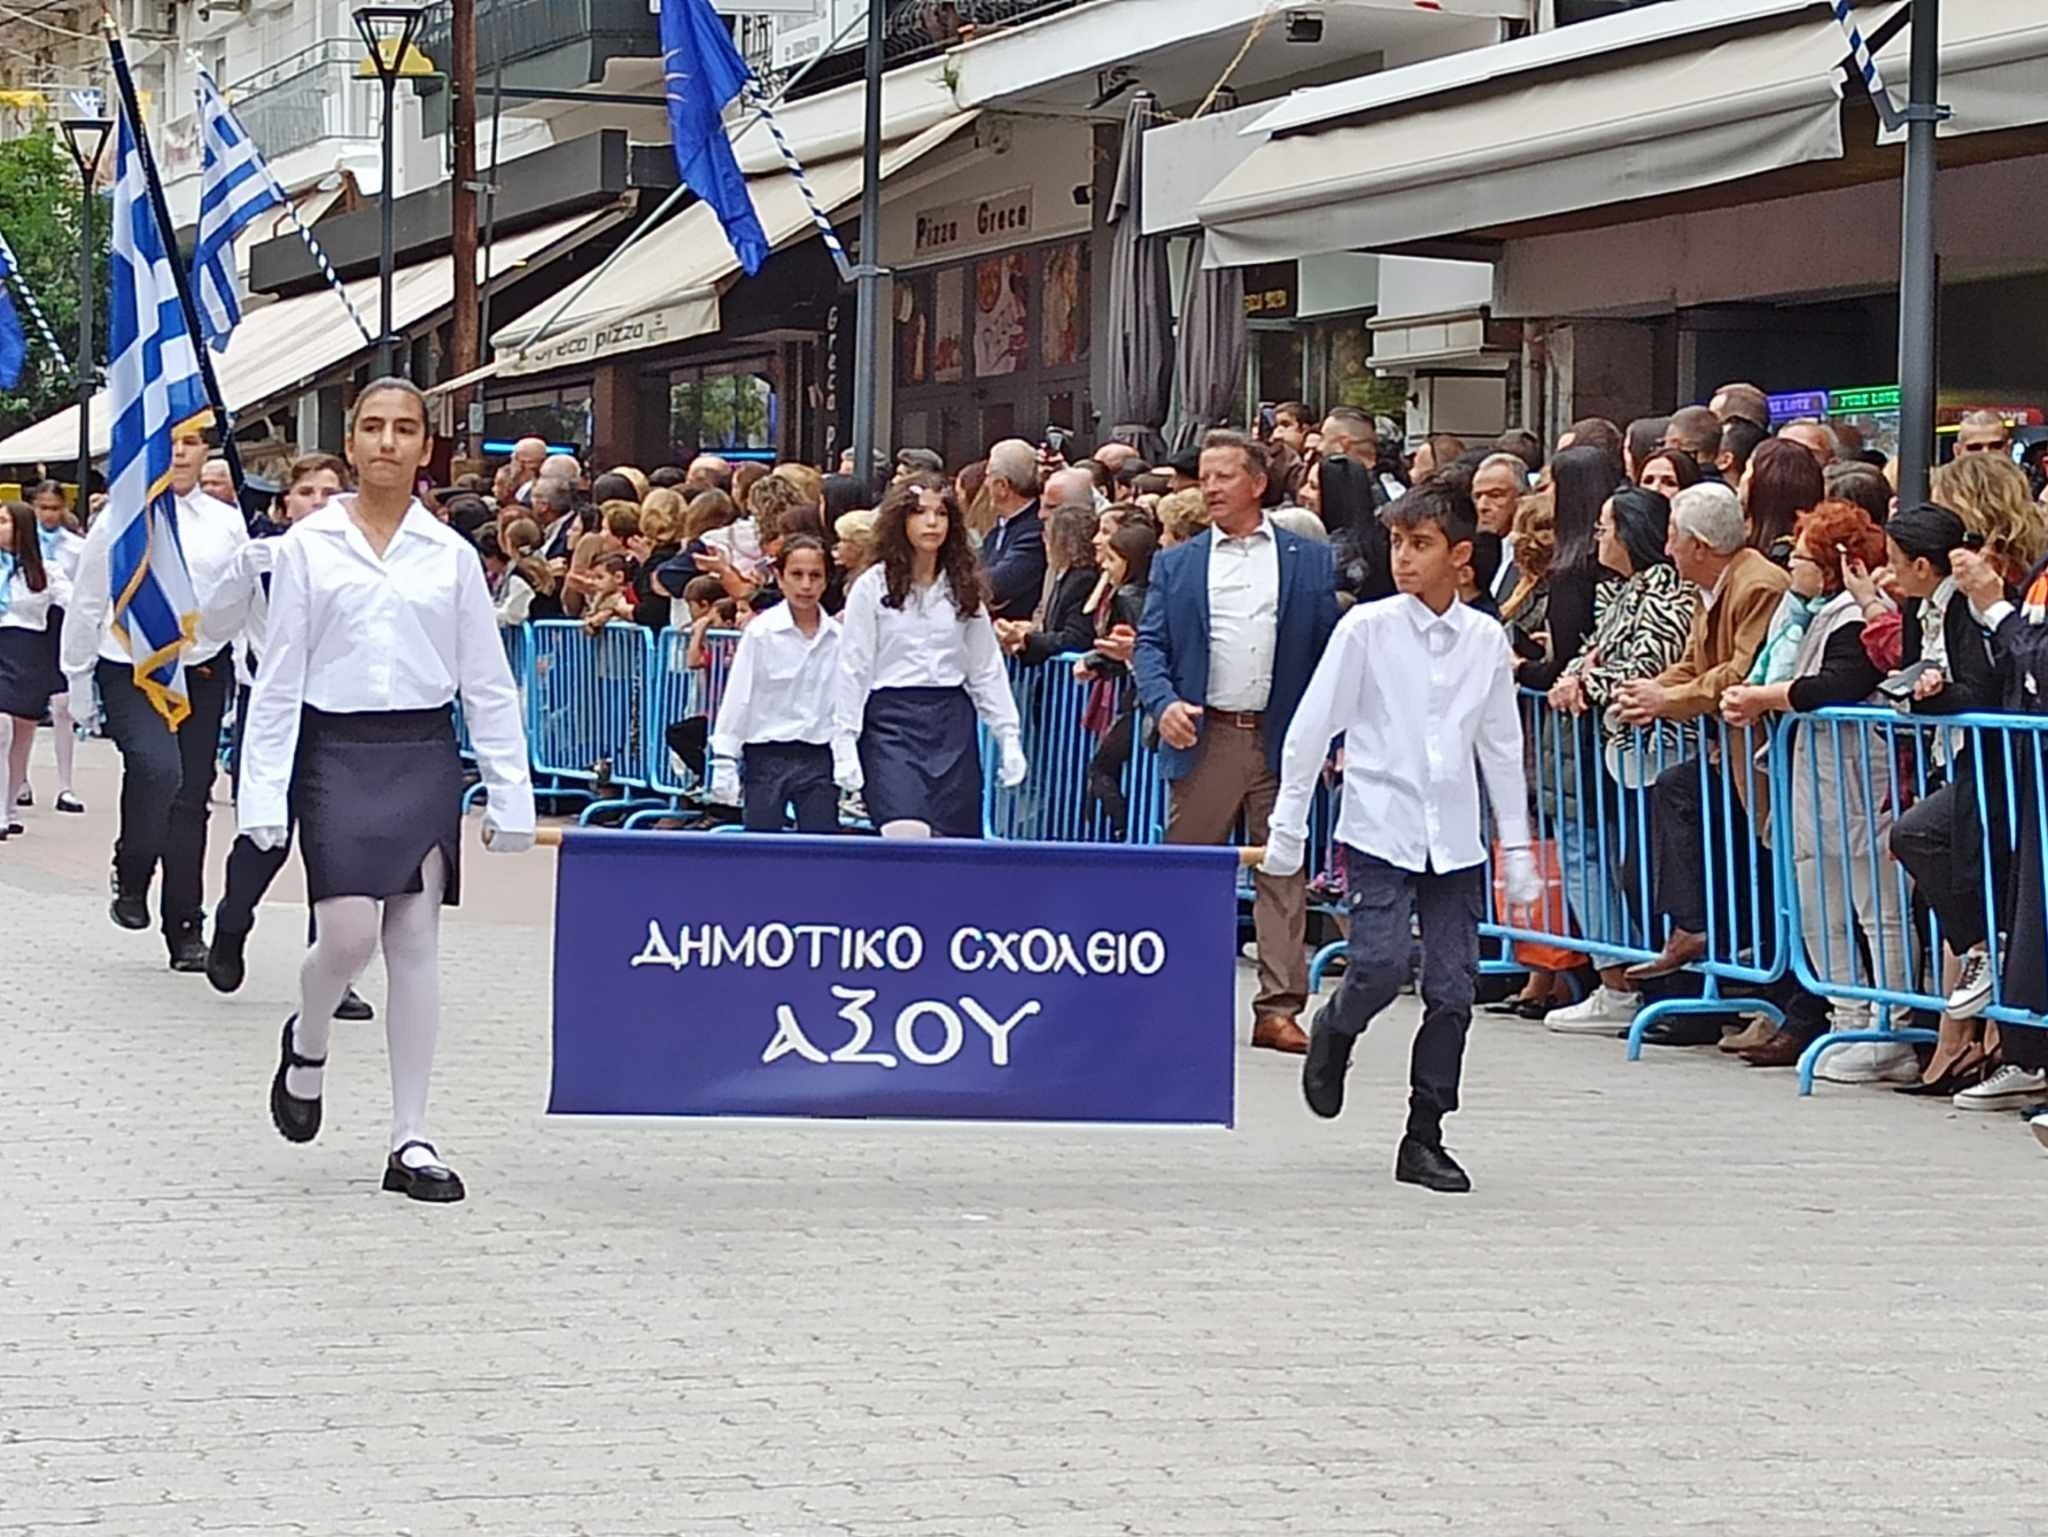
[(1230, 775)]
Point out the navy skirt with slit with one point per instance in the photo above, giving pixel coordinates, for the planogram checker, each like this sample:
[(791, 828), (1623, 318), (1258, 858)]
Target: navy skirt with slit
[(28, 676), (920, 759), (375, 793)]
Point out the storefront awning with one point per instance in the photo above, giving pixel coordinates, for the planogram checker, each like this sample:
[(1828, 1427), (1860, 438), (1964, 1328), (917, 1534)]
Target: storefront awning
[(281, 348), (666, 287), (1611, 128)]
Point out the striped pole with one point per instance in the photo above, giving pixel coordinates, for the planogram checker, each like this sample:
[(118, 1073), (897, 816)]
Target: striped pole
[(826, 232), (1866, 64), (326, 268), (49, 337)]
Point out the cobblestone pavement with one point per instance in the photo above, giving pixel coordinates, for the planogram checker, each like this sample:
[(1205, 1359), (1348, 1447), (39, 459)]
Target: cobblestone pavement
[(1679, 1301)]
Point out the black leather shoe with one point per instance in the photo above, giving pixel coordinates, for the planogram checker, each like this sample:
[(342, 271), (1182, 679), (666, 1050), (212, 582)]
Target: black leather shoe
[(224, 967), (354, 1007), (430, 1182), (1427, 1165), (188, 948), (1696, 1030), (129, 909), (297, 1120), (70, 804), (1323, 1070)]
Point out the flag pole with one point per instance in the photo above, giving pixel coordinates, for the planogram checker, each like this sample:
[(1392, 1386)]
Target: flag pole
[(160, 210)]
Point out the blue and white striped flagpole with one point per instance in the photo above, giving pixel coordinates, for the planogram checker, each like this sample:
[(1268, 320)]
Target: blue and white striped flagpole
[(327, 270), (1866, 64), (20, 285), (759, 100)]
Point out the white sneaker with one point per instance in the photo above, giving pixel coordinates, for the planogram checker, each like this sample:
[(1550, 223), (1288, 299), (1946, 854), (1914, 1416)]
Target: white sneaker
[(1601, 1012), (2037, 1123), (1973, 987), (1870, 1062), (2007, 1089)]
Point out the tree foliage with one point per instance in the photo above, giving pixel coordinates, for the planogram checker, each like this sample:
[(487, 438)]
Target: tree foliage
[(39, 212)]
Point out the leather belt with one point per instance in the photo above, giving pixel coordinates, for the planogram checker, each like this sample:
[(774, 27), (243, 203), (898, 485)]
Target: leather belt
[(1243, 720)]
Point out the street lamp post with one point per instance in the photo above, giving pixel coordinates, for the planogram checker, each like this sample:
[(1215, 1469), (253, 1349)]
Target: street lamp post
[(86, 137), (388, 32)]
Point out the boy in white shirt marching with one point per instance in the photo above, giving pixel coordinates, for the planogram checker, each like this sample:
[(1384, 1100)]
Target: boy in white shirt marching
[(1421, 688)]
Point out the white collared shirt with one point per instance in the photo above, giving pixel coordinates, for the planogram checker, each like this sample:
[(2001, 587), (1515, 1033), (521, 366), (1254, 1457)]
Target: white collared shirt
[(1422, 700), (1244, 617), (210, 533), (236, 611), (924, 644), (21, 609), (351, 632), (63, 548), (781, 685)]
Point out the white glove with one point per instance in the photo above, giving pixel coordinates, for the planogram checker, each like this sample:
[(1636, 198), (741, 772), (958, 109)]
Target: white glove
[(725, 781), (259, 556), (1524, 885), (500, 840), (268, 839), (1014, 768), (846, 767), (1285, 852), (85, 703)]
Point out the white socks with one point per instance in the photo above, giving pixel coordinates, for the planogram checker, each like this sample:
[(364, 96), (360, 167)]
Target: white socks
[(65, 733)]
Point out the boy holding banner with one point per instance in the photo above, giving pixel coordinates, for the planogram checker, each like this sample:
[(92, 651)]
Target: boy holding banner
[(1421, 687)]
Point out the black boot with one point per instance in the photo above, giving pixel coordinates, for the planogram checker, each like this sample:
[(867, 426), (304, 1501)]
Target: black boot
[(130, 907), (1428, 1165), (224, 966), (187, 944), (297, 1120), (1322, 1072)]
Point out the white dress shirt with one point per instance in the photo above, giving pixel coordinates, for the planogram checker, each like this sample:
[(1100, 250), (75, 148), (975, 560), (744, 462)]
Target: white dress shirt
[(210, 533), (1419, 697), (351, 632), (924, 644), (1244, 617), (781, 685), (236, 611), (21, 609), (62, 548)]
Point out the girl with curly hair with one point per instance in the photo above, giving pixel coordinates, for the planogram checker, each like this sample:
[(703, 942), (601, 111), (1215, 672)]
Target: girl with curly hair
[(919, 665)]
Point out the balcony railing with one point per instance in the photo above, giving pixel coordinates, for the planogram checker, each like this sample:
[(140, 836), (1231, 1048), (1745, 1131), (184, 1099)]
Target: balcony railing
[(311, 97)]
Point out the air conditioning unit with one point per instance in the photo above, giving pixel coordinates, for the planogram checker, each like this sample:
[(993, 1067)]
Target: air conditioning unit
[(151, 19)]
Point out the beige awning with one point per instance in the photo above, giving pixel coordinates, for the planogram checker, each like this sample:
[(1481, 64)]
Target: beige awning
[(666, 286), (281, 347), (1612, 128)]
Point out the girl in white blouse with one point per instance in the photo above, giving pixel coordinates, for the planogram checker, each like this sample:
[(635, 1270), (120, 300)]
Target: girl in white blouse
[(918, 666), (62, 545), (378, 619), (29, 589)]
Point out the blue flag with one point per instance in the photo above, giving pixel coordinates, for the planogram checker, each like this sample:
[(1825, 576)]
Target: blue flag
[(703, 72), (13, 344), (235, 189)]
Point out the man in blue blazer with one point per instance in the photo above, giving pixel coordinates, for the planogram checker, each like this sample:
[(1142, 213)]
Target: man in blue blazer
[(1235, 621)]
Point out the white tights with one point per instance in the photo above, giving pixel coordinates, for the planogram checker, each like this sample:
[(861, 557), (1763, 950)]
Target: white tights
[(18, 740), (18, 736), (64, 735), (349, 929)]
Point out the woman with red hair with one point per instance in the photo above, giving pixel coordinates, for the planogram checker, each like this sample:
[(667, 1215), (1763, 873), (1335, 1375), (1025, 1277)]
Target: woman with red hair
[(1852, 902)]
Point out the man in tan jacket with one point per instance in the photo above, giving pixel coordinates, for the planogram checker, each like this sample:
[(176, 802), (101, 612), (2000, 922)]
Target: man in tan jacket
[(1743, 589)]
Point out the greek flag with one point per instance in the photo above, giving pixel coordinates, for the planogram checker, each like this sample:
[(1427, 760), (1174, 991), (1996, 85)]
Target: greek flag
[(13, 343), (234, 187), (154, 388)]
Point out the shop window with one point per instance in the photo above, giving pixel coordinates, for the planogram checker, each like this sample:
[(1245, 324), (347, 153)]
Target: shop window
[(558, 416), (721, 413)]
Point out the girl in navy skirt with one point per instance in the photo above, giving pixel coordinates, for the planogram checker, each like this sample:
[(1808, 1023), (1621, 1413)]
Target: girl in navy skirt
[(379, 619), (62, 545), (28, 674), (918, 666), (777, 709)]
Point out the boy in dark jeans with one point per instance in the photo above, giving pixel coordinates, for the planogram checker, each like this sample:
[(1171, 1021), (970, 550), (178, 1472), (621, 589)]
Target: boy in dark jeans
[(1421, 687)]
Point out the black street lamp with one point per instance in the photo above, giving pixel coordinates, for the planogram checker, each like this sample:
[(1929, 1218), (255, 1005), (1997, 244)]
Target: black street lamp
[(86, 137), (388, 32)]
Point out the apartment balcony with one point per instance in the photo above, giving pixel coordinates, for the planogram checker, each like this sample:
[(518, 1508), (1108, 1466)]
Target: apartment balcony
[(313, 97), (551, 45)]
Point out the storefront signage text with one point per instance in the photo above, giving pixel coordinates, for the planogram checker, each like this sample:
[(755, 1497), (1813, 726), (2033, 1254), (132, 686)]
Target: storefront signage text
[(1001, 219)]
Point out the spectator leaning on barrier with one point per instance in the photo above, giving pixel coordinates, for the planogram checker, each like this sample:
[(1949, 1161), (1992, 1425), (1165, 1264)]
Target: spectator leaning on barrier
[(1071, 576), (1116, 607), (1990, 495), (1581, 480), (1851, 905), (1742, 590), (1644, 625), (1013, 551), (1234, 624)]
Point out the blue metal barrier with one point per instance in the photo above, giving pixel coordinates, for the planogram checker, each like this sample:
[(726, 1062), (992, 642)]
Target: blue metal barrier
[(678, 692), (589, 706)]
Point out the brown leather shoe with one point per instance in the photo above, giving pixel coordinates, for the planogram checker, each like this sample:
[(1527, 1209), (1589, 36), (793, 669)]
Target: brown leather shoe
[(1680, 951), (1783, 1049), (1750, 1036), (1276, 1032)]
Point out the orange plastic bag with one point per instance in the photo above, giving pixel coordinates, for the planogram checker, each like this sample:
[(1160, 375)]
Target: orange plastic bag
[(1550, 913)]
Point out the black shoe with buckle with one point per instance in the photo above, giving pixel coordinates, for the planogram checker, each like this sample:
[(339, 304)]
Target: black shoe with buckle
[(354, 1007), (433, 1181), (224, 965), (297, 1120), (70, 804), (187, 944)]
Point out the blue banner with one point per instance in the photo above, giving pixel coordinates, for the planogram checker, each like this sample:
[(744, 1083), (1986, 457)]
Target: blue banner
[(865, 977)]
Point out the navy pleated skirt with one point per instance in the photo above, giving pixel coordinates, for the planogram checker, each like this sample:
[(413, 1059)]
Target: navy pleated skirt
[(921, 760), (374, 794), (28, 673)]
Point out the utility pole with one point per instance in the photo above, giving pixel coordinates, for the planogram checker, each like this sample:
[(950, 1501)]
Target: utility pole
[(1919, 271), (867, 331), (463, 338)]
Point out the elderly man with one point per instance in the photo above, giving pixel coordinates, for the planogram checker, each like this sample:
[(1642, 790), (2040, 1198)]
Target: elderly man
[(1114, 456), (562, 467), (1981, 432), (1816, 437), (1235, 623), (554, 508), (1744, 401), (218, 481), (1498, 486), (1350, 432), (707, 472), (1059, 622), (1014, 550), (528, 455), (1743, 588)]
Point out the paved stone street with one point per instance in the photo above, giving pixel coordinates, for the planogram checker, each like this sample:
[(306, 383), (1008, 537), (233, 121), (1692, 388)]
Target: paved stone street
[(1679, 1300)]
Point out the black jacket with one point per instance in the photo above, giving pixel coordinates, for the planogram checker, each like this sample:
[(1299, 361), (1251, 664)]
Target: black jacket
[(1975, 682), (1068, 627)]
